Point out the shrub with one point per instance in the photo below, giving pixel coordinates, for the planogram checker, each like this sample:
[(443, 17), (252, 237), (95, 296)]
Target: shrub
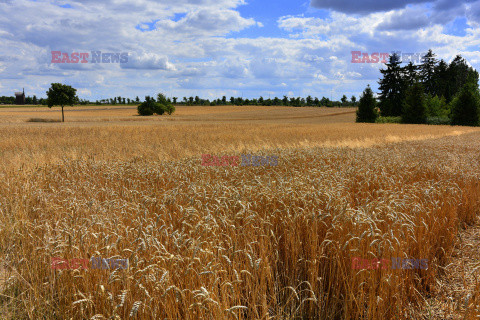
[(159, 108), (165, 105), (147, 108), (437, 107), (170, 108), (150, 106)]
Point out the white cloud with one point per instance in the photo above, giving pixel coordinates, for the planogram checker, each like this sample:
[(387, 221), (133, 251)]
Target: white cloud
[(148, 61)]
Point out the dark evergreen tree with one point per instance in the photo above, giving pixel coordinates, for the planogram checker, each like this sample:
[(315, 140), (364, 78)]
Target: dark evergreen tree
[(458, 73), (465, 106), (367, 107), (414, 106), (392, 88), (410, 74), (441, 77), (427, 72)]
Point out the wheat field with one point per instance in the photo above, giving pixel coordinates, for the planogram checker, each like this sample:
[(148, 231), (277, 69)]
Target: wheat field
[(272, 242)]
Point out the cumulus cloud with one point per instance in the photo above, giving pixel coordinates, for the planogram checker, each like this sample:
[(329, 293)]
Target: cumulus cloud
[(206, 22), (148, 61)]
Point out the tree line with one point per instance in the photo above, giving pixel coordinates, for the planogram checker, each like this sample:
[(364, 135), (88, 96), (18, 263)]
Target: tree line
[(309, 101), (240, 101), (197, 101), (433, 92), (38, 101)]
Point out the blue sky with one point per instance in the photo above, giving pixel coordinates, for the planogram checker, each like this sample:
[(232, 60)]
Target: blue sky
[(212, 48)]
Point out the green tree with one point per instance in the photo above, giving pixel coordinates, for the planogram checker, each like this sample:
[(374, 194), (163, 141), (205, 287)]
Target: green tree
[(410, 73), (414, 106), (367, 107), (164, 105), (441, 78), (466, 105), (148, 107), (354, 100), (458, 73), (437, 107), (392, 88), (344, 100), (61, 95), (309, 101), (427, 72)]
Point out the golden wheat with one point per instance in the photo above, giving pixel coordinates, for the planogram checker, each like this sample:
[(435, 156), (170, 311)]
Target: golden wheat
[(271, 242)]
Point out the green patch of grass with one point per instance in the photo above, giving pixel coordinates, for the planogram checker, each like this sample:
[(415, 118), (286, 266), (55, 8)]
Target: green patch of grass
[(389, 120)]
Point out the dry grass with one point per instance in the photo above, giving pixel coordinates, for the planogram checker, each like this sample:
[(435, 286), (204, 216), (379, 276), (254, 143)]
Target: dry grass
[(36, 143), (106, 113), (232, 243)]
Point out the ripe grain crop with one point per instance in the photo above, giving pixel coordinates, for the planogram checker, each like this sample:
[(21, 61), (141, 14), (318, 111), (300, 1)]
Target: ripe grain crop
[(221, 243), (233, 242)]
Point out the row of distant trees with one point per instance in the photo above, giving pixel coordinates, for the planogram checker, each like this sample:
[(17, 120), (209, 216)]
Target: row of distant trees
[(433, 92), (240, 101), (284, 101), (38, 101), (197, 101)]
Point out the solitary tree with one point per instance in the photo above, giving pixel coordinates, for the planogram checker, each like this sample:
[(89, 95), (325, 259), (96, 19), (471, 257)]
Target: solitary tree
[(366, 109), (344, 100), (61, 95)]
